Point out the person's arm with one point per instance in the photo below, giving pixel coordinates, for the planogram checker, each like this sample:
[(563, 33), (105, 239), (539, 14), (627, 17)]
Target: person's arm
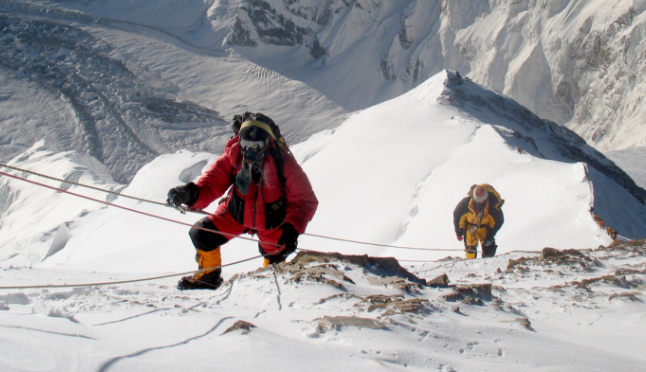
[(217, 178), (301, 200)]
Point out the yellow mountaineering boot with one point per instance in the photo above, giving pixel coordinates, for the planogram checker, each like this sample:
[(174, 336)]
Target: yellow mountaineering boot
[(471, 252), (207, 279), (274, 259)]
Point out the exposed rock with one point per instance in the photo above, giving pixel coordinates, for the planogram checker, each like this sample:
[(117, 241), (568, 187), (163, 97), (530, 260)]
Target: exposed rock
[(245, 327), (337, 322), (392, 305), (606, 278), (550, 252), (340, 297), (439, 281), (473, 294), (240, 35), (525, 323), (629, 295), (575, 258), (377, 266)]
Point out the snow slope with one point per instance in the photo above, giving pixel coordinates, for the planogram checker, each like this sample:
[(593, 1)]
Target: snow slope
[(391, 174), (631, 160), (416, 156), (579, 311)]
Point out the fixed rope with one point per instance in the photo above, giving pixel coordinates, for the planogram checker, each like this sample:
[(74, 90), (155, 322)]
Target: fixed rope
[(124, 208), (162, 218), (183, 210), (382, 245), (98, 284), (79, 184)]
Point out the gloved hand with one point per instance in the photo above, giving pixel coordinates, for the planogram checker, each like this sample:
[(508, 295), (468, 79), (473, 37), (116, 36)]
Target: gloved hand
[(460, 237), (184, 194), (289, 239)]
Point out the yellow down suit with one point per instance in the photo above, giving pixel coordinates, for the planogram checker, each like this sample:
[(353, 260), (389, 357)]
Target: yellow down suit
[(479, 223)]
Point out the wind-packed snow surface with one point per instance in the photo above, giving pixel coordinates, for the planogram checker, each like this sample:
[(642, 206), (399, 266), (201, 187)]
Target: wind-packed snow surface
[(390, 175)]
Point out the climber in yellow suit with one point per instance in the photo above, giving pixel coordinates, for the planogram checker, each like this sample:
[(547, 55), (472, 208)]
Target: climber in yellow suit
[(477, 218)]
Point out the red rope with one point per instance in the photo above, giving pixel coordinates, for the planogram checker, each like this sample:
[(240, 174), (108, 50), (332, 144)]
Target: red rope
[(219, 232), (126, 208)]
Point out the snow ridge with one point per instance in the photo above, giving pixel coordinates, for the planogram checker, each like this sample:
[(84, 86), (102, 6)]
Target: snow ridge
[(523, 129)]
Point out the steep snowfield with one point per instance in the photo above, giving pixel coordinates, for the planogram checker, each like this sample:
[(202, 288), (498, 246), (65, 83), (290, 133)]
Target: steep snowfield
[(31, 214), (631, 160), (394, 173), (391, 174)]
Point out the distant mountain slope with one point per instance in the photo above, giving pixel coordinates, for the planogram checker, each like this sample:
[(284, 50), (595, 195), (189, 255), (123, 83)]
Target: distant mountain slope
[(124, 94), (631, 160), (109, 111), (575, 62)]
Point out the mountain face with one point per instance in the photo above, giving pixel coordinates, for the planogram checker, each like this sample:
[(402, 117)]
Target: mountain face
[(575, 62), (123, 93), (105, 109), (125, 81)]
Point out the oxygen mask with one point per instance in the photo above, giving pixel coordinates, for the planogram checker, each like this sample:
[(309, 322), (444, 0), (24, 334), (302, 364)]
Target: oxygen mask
[(252, 153)]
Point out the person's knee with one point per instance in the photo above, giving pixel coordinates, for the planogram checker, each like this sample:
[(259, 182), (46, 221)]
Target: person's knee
[(205, 236)]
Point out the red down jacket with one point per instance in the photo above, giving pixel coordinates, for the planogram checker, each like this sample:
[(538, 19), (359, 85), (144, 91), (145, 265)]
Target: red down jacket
[(266, 206)]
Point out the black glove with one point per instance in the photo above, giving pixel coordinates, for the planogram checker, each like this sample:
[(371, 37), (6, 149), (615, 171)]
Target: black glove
[(184, 194), (289, 239)]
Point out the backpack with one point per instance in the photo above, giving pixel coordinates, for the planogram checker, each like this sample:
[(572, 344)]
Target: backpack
[(275, 130)]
